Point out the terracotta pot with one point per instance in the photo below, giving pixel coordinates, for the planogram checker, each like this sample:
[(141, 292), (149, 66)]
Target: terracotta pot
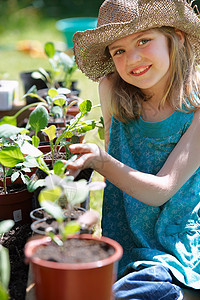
[(73, 281), (16, 206)]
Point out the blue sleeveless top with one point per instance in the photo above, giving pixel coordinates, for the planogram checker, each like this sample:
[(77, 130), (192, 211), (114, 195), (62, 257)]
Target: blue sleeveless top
[(169, 234)]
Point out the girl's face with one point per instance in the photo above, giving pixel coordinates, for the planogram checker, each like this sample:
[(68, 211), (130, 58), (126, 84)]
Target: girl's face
[(142, 59)]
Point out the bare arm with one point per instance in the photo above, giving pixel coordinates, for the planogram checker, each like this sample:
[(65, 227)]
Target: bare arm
[(153, 190)]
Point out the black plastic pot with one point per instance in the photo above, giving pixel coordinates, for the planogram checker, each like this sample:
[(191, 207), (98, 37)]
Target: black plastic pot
[(28, 81)]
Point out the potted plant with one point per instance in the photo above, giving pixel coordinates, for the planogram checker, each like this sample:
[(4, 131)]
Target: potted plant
[(62, 190), (17, 157), (62, 67), (58, 104), (79, 274), (74, 132)]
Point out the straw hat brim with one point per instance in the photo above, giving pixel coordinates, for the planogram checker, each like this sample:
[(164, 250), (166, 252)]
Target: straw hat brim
[(90, 45)]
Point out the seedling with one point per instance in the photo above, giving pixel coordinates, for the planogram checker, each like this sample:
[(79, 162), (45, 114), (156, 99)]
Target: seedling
[(62, 67), (63, 192)]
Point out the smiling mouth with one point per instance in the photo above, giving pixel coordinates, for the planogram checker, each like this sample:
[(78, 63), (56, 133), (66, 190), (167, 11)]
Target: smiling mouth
[(140, 71)]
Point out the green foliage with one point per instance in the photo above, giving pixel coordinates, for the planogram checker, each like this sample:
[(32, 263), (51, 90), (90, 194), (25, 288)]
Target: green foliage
[(62, 67), (4, 261), (38, 118), (63, 192), (10, 156)]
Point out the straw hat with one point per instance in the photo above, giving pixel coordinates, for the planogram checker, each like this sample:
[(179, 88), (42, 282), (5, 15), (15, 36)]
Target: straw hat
[(118, 18)]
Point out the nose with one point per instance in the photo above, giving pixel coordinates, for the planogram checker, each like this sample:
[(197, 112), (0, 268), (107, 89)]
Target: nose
[(133, 56)]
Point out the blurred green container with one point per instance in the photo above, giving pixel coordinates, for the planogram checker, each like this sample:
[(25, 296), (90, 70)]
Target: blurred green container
[(71, 25)]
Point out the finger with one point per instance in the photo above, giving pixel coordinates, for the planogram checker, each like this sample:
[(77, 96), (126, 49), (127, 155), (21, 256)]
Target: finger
[(79, 148), (78, 163), (73, 173)]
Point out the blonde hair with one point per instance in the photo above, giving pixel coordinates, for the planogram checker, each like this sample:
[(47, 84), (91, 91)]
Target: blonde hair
[(182, 90)]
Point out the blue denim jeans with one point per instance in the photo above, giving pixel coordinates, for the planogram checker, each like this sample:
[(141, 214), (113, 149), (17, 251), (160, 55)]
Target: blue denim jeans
[(153, 283)]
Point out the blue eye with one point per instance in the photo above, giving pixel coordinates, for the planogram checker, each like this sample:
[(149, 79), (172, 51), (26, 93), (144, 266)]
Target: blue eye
[(120, 51), (143, 42)]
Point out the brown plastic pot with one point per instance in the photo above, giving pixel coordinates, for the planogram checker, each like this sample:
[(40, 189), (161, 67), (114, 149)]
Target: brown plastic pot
[(78, 281), (16, 206)]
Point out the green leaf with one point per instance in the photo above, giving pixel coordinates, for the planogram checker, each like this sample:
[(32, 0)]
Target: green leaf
[(59, 167), (6, 225), (50, 132), (38, 75), (14, 176), (53, 209), (33, 185), (35, 141), (12, 120), (39, 118), (71, 228), (4, 267), (52, 92), (11, 156), (85, 126), (57, 111), (59, 100), (65, 134), (7, 130), (76, 192), (3, 293), (85, 107), (32, 90), (49, 49), (101, 133), (31, 150), (50, 194)]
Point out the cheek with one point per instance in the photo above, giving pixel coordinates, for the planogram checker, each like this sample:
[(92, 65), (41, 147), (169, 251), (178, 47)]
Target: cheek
[(118, 64), (160, 57)]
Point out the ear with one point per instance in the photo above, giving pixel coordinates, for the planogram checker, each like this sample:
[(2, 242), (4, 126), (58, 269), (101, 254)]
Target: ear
[(181, 36)]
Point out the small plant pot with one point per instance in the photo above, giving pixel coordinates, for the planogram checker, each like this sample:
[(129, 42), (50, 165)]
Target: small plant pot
[(40, 225), (40, 213), (28, 81), (77, 281), (16, 206)]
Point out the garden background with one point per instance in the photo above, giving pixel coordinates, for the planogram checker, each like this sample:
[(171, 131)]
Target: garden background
[(25, 26)]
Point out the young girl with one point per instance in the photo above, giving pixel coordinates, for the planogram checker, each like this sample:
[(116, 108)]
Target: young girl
[(145, 55)]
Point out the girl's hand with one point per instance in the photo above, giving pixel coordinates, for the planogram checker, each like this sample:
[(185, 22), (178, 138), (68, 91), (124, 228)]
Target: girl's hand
[(90, 156)]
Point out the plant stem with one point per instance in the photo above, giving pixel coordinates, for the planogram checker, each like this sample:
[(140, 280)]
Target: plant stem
[(4, 179), (27, 107)]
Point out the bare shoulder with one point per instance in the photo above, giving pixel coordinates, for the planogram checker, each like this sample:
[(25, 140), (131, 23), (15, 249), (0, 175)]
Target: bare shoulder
[(105, 86), (105, 93), (196, 118)]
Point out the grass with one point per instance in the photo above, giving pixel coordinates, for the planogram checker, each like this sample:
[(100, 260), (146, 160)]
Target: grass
[(15, 60)]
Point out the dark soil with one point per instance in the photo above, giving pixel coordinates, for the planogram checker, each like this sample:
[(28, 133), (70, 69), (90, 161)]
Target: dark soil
[(15, 240), (75, 251), (12, 188)]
